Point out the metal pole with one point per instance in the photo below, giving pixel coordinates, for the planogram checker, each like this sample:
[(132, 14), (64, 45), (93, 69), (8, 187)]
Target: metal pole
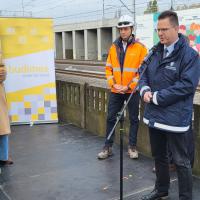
[(120, 117), (121, 155), (23, 7), (103, 9), (134, 17), (172, 5)]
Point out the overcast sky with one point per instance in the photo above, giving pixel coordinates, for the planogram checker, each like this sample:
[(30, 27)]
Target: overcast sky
[(68, 11)]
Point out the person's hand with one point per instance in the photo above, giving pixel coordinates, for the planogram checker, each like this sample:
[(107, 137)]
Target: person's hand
[(2, 73), (117, 87), (147, 97), (123, 89)]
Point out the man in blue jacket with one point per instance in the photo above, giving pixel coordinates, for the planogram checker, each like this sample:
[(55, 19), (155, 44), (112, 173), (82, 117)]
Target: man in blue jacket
[(168, 87)]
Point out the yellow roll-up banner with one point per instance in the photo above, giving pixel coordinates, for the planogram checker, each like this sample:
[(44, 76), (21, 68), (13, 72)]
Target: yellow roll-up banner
[(28, 54)]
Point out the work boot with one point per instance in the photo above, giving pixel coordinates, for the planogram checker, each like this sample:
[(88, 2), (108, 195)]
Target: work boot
[(105, 153), (132, 152), (155, 195)]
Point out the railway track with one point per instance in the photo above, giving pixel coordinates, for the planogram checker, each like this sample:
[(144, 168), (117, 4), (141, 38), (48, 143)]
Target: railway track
[(89, 74), (86, 73), (83, 73), (80, 62)]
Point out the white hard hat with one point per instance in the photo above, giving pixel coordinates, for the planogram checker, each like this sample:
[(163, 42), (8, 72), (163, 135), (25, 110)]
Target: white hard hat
[(125, 21)]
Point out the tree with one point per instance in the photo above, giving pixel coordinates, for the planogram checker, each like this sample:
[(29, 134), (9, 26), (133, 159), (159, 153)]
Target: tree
[(152, 7)]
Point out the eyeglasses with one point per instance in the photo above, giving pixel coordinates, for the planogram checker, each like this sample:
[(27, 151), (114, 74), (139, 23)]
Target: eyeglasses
[(162, 30), (123, 23)]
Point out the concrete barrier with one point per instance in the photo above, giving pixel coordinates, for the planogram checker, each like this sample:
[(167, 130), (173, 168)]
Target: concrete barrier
[(86, 107)]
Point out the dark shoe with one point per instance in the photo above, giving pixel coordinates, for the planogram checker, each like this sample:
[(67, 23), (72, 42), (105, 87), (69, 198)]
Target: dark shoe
[(155, 195), (6, 162)]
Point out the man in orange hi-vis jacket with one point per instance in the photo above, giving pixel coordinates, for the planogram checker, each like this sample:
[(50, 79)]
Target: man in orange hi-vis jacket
[(124, 59)]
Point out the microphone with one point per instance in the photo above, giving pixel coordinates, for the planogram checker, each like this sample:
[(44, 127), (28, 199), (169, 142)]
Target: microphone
[(151, 52), (146, 60)]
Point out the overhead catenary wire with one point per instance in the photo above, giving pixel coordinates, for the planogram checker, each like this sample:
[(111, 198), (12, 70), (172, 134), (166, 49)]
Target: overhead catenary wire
[(87, 12), (50, 8), (126, 6), (57, 10), (94, 11), (83, 16)]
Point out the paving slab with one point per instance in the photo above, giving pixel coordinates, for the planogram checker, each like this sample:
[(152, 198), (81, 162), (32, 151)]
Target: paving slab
[(58, 162)]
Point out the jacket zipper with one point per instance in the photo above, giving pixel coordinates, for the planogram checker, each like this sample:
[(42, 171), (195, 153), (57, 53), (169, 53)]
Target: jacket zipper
[(123, 64)]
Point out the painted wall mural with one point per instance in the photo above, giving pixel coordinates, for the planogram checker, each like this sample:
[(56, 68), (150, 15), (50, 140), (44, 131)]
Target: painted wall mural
[(189, 21)]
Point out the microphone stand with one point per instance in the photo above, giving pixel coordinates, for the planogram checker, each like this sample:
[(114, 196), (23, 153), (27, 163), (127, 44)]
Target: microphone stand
[(120, 118)]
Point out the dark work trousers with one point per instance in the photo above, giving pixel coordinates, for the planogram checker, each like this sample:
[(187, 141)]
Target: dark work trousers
[(177, 143), (116, 101), (190, 146)]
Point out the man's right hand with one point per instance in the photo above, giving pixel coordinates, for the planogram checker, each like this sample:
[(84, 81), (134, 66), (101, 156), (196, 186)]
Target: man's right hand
[(117, 87), (147, 97)]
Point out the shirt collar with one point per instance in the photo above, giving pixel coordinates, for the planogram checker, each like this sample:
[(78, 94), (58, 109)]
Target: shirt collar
[(124, 45), (170, 48)]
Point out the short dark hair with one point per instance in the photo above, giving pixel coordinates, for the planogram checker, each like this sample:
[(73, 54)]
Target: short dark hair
[(173, 17)]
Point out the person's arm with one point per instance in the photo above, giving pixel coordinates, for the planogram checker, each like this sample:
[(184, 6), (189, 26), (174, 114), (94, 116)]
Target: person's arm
[(109, 71), (134, 82), (185, 86), (144, 83)]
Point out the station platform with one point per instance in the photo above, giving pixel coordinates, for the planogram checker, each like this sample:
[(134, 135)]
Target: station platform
[(58, 162)]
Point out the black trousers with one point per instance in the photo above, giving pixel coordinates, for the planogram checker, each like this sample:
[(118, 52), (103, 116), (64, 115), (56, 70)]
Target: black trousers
[(190, 146), (115, 104), (160, 140)]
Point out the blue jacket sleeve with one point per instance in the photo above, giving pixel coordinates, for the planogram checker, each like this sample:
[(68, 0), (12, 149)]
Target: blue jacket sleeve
[(186, 85), (143, 83)]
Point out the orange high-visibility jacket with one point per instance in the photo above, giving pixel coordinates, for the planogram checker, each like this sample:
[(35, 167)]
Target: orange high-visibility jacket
[(134, 56)]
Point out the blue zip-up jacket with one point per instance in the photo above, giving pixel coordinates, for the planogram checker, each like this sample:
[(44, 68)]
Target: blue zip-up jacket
[(173, 81)]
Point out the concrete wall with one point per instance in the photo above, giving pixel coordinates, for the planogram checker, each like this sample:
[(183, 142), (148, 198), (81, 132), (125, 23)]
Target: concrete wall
[(59, 45), (86, 25), (115, 33), (68, 45), (79, 45), (86, 106), (91, 42), (145, 29), (106, 41)]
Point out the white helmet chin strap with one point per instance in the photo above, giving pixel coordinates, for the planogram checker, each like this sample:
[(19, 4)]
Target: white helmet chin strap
[(126, 40)]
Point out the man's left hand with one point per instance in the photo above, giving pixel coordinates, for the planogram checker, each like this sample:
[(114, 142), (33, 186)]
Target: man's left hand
[(124, 89)]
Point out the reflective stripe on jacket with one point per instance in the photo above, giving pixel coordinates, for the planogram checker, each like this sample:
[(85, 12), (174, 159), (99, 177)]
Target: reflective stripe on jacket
[(134, 55)]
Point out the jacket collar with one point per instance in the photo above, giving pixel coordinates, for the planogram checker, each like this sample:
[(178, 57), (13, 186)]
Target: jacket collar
[(180, 44), (131, 40)]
